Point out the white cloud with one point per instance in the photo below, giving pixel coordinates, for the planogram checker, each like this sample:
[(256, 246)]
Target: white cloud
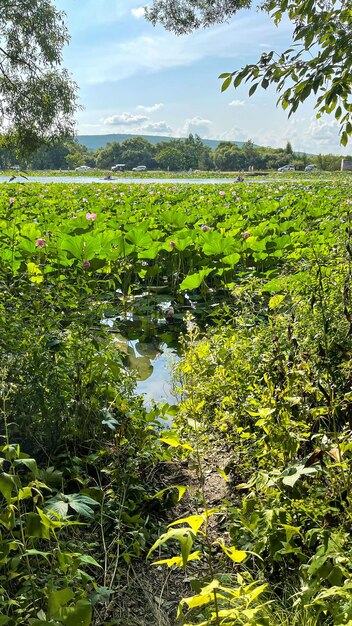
[(138, 12), (95, 12), (124, 119), (157, 128), (234, 134), (150, 109), (156, 50), (196, 125), (237, 103)]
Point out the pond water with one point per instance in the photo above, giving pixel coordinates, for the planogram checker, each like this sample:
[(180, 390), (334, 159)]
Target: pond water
[(126, 181), (149, 347)]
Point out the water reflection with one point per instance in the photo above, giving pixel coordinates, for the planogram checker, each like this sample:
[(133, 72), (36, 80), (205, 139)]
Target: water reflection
[(152, 363), (149, 347)]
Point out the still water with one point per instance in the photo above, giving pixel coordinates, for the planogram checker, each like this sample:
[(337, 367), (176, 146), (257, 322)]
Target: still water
[(149, 348), (126, 181)]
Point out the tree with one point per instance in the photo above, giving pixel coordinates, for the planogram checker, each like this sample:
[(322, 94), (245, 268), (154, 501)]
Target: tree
[(50, 157), (318, 63), (37, 98), (229, 157), (109, 155), (79, 155), (170, 158), (137, 151)]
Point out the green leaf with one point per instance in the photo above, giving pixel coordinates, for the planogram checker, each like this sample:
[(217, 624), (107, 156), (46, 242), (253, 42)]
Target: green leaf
[(185, 538), (58, 599), (78, 615), (194, 521), (30, 463), (173, 441), (275, 301), (237, 556), (180, 488), (193, 281), (86, 558), (83, 505), (253, 89), (7, 485), (35, 527), (177, 560), (59, 506), (226, 84)]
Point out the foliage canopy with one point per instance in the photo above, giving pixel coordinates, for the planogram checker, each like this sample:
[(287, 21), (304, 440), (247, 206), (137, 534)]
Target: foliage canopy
[(316, 64), (38, 98)]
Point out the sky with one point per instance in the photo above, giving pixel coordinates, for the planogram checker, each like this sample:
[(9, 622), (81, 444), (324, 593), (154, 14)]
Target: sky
[(139, 79)]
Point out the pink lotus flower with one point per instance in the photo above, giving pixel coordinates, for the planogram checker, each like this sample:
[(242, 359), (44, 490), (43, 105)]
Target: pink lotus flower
[(91, 216), (222, 193), (40, 243), (11, 200), (246, 234), (205, 228), (172, 245), (86, 265)]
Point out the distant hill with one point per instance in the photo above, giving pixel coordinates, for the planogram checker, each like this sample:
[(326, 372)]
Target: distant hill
[(93, 142)]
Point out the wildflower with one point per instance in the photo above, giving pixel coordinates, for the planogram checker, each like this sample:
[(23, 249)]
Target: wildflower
[(245, 235), (40, 243), (86, 265), (204, 228), (347, 201), (91, 216), (11, 200), (222, 193), (172, 245)]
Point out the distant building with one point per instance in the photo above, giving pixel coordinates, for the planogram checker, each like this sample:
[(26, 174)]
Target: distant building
[(346, 165)]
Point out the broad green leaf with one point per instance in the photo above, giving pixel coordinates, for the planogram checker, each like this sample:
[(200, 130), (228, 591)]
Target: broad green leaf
[(7, 485), (193, 281), (180, 488), (185, 538), (78, 615), (177, 560), (194, 521), (35, 526), (237, 556), (30, 463), (34, 273), (173, 441), (275, 301), (86, 558), (58, 599)]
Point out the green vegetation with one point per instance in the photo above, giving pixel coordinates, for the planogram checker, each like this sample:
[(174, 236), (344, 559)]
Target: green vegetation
[(38, 99), (174, 155), (261, 275)]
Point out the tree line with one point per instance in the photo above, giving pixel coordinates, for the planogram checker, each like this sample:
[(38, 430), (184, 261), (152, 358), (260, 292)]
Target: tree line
[(172, 155)]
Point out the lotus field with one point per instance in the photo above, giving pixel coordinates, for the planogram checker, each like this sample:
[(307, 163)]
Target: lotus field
[(181, 239), (256, 280)]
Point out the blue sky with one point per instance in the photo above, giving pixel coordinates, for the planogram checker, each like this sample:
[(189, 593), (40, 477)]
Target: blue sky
[(135, 78)]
